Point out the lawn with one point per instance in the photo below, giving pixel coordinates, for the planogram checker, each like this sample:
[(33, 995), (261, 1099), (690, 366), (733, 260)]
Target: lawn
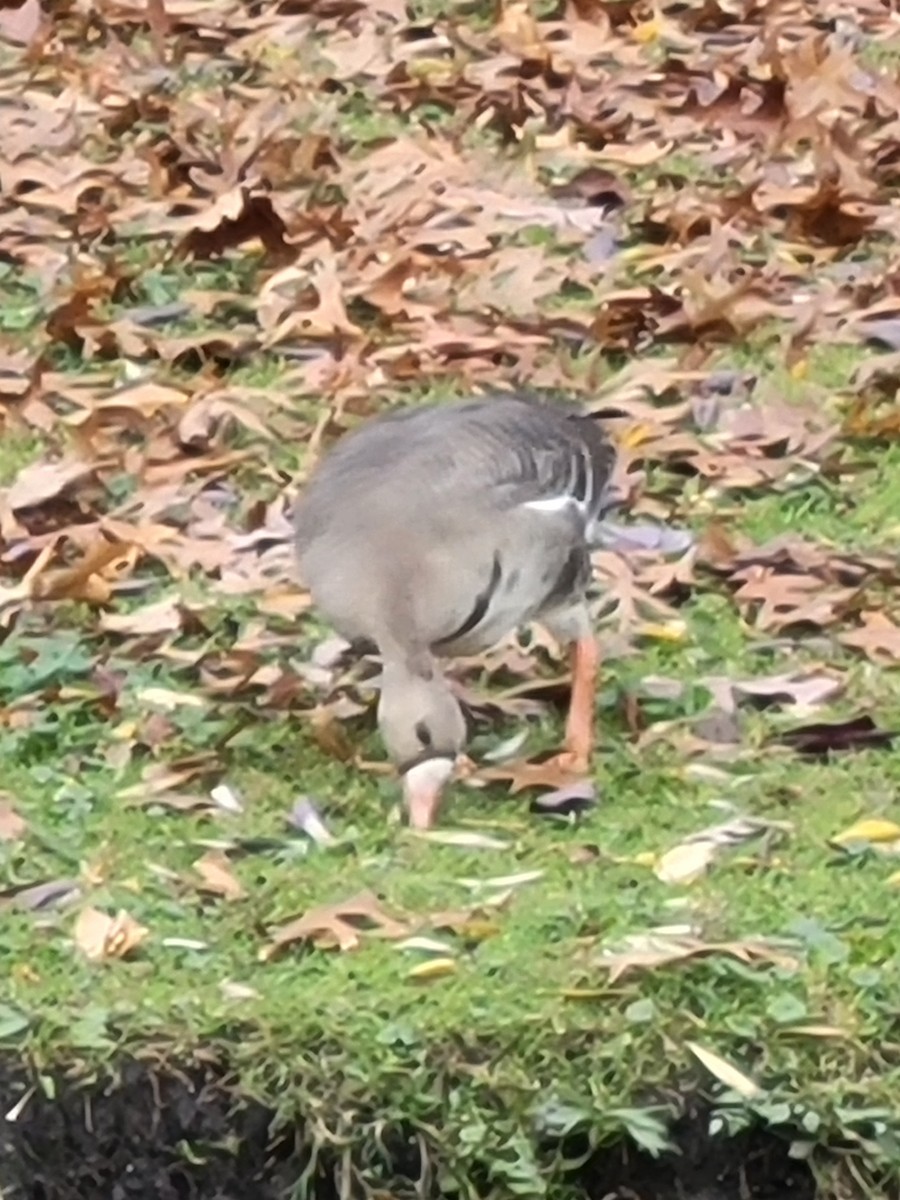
[(223, 241)]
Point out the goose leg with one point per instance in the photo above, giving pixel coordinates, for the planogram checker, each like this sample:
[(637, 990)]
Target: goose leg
[(585, 655), (573, 625)]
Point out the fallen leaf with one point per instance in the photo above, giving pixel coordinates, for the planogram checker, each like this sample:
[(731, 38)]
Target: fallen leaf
[(305, 817), (425, 945), (872, 830), (100, 937), (12, 827), (337, 926), (504, 882), (162, 616), (878, 637), (463, 838), (686, 863), (726, 1072), (42, 481), (22, 23), (522, 773), (691, 858), (178, 943), (226, 798), (824, 738), (41, 897), (434, 968), (652, 951), (218, 877)]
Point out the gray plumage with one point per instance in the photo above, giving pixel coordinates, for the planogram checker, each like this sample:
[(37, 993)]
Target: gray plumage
[(437, 531)]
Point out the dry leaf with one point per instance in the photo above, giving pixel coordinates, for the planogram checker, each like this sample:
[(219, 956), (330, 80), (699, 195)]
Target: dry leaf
[(23, 23), (218, 877), (691, 858), (686, 863), (463, 838), (100, 937), (337, 926), (434, 968), (655, 950), (42, 481), (162, 616), (879, 637), (876, 831), (12, 827), (726, 1072)]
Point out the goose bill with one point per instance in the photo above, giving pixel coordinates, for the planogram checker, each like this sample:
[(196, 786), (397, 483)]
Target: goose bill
[(423, 787)]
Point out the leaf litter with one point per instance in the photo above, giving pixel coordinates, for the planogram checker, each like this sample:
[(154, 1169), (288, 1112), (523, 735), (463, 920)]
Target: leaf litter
[(656, 200)]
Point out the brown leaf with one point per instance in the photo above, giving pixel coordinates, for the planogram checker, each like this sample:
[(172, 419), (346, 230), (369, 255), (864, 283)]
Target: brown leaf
[(331, 737), (522, 773), (100, 937), (218, 876), (803, 689), (161, 616), (160, 24), (879, 638), (337, 926), (92, 577), (12, 827), (820, 739), (237, 216), (652, 951), (22, 24), (42, 481)]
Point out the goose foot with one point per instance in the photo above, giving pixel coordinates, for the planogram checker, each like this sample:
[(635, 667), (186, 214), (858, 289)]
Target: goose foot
[(569, 762)]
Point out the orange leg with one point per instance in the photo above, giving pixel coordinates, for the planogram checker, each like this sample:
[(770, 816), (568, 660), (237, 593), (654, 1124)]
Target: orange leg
[(580, 722)]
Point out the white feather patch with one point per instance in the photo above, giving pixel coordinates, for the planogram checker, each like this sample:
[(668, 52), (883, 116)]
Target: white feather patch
[(552, 504)]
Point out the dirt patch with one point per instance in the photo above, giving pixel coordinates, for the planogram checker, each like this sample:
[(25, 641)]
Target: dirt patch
[(751, 1166), (179, 1135)]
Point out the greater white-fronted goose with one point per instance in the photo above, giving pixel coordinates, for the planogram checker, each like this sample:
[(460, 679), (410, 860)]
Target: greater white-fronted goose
[(437, 531)]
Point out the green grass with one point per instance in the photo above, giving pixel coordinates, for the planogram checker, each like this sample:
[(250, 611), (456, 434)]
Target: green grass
[(17, 448), (529, 1001)]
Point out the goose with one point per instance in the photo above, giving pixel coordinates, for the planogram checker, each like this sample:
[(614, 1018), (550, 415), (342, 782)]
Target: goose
[(435, 532)]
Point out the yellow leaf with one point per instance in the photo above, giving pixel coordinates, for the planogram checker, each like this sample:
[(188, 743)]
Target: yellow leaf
[(813, 1031), (869, 829), (647, 31), (646, 858), (435, 968), (634, 435), (685, 863), (668, 631)]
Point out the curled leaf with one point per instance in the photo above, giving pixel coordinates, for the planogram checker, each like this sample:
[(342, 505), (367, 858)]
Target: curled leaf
[(100, 937)]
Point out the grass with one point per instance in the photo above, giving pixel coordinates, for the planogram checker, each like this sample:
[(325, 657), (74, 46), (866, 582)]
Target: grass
[(507, 1030)]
